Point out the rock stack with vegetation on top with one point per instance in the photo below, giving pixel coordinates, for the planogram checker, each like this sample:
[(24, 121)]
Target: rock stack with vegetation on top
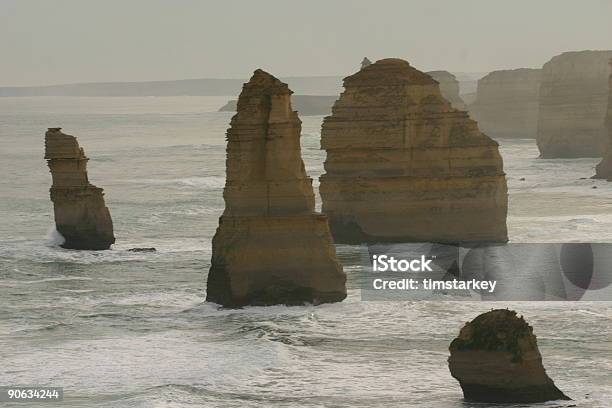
[(496, 359)]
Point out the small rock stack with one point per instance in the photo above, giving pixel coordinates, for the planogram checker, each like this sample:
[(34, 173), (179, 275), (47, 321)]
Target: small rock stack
[(404, 166), (496, 359), (506, 104), (270, 246), (573, 104), (604, 169), (80, 213)]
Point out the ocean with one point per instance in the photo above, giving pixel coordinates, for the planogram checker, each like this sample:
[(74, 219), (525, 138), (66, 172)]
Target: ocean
[(124, 329)]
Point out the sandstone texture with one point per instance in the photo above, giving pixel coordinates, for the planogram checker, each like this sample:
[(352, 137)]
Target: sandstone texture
[(404, 166), (507, 103), (496, 359), (306, 105), (573, 105), (604, 169), (449, 87), (80, 213), (270, 246)]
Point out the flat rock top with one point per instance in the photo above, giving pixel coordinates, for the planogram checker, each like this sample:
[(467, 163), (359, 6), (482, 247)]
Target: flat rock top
[(389, 71), (580, 63), (513, 74)]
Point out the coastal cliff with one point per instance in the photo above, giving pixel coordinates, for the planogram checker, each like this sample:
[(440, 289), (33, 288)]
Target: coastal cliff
[(506, 104), (403, 165), (81, 216), (271, 247), (573, 105)]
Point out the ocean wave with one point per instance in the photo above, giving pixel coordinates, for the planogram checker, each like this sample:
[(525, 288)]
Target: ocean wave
[(207, 182)]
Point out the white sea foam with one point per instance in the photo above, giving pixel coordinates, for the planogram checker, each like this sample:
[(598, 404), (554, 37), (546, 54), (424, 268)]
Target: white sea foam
[(54, 238), (207, 182)]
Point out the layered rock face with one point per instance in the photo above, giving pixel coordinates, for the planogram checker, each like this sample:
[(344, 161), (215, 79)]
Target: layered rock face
[(403, 165), (496, 359), (449, 87), (604, 169), (270, 247), (80, 213), (507, 103), (573, 104)]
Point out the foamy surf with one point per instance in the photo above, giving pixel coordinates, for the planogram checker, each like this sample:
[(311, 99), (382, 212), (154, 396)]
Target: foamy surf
[(54, 238)]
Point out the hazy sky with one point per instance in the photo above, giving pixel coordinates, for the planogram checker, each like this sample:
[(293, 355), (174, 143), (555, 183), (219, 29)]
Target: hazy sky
[(63, 41)]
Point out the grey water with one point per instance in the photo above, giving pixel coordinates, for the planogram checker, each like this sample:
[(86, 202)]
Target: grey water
[(124, 329)]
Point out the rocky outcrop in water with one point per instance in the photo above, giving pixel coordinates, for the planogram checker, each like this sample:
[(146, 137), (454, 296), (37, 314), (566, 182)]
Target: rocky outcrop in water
[(573, 104), (449, 87), (403, 165), (506, 103), (496, 359), (306, 105), (80, 213), (270, 246), (604, 169)]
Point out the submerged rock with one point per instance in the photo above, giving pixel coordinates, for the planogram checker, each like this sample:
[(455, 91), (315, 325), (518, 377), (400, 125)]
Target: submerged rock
[(270, 247), (404, 166), (148, 249), (496, 359), (81, 216), (506, 104), (604, 169), (573, 105), (449, 87)]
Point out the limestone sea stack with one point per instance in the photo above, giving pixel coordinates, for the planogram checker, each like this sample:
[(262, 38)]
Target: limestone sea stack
[(404, 166), (80, 213), (449, 87), (496, 359), (271, 247), (573, 105), (506, 104), (604, 169)]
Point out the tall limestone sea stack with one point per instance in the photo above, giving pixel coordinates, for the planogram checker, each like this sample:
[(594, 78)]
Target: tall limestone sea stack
[(81, 216), (403, 165), (506, 104), (604, 169), (496, 359), (573, 105), (449, 88), (270, 246)]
